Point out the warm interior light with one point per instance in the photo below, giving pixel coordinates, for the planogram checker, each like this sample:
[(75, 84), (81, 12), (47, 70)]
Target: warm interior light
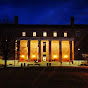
[(55, 56), (22, 56), (33, 56), (65, 56), (78, 48)]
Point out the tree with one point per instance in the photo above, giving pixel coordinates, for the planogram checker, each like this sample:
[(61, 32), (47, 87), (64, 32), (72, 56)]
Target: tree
[(7, 48)]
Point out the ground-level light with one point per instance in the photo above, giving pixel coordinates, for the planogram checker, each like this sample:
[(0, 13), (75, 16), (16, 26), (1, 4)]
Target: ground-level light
[(65, 56), (33, 56), (55, 56), (22, 56)]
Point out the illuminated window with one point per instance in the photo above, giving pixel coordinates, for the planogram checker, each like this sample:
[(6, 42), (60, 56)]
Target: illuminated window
[(78, 34), (54, 34), (65, 34), (34, 33), (44, 34), (23, 33)]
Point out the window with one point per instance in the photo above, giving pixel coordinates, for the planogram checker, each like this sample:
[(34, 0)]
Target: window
[(78, 34), (54, 34), (23, 33), (44, 34), (44, 46), (65, 34), (34, 33)]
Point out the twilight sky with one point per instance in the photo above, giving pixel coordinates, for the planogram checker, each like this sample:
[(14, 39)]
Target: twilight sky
[(44, 11)]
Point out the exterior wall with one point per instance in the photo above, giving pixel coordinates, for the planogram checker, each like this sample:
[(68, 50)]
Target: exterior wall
[(55, 50), (47, 50), (33, 50), (23, 50)]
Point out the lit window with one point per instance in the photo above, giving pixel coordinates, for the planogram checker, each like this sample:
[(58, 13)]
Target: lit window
[(44, 34), (78, 48), (34, 33), (23, 33), (65, 34), (55, 34), (77, 34)]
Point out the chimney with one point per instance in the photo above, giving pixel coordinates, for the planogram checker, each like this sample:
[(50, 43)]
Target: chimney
[(16, 19), (72, 20)]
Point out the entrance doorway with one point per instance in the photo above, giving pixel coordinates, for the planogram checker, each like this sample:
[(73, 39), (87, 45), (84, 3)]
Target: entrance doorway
[(44, 57)]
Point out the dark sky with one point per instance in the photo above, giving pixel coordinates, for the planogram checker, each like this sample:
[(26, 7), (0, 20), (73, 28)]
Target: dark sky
[(44, 11)]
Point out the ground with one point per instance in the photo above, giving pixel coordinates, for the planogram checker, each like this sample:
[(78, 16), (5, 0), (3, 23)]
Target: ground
[(44, 77)]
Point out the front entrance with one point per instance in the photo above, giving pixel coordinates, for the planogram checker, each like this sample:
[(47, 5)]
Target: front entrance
[(44, 57)]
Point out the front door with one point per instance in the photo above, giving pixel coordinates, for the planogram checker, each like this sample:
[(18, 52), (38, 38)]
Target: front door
[(44, 57)]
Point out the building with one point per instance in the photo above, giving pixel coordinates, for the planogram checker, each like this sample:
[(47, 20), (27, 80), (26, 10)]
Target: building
[(46, 43)]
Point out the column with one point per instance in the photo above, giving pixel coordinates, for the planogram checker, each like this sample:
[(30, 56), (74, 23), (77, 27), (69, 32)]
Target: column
[(70, 42), (49, 51), (18, 50), (60, 51), (39, 45), (28, 50)]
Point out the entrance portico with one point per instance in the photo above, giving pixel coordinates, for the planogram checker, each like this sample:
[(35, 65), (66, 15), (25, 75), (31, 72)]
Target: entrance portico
[(45, 50)]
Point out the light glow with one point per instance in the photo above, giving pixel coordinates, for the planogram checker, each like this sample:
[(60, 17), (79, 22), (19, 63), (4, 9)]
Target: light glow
[(78, 48), (55, 56), (65, 56), (22, 56), (33, 56)]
